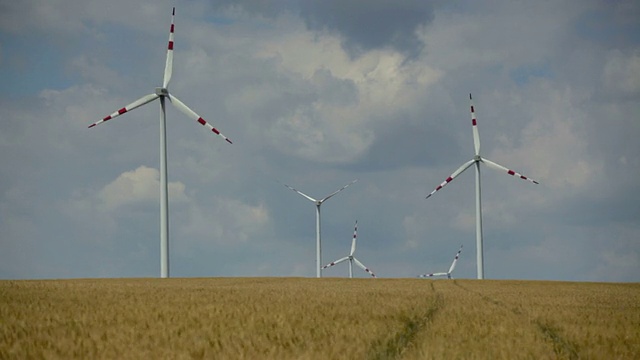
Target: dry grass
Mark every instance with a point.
(258, 318)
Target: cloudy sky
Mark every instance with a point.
(315, 94)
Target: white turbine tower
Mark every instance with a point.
(351, 258)
(451, 268)
(477, 159)
(162, 93)
(318, 204)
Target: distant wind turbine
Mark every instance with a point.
(162, 93)
(318, 203)
(351, 258)
(451, 268)
(477, 159)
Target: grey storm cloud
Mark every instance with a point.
(363, 25)
(370, 25)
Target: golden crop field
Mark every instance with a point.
(300, 318)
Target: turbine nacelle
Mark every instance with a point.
(162, 91)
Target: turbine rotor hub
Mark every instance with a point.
(477, 158)
(160, 91)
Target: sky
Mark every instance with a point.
(315, 94)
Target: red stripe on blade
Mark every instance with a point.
(474, 122)
(122, 111)
(170, 45)
(171, 27)
(201, 121)
(449, 179)
(215, 130)
(107, 118)
(472, 108)
(511, 172)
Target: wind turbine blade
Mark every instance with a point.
(301, 193)
(363, 267)
(353, 242)
(168, 67)
(508, 171)
(455, 260)
(190, 113)
(336, 262)
(337, 191)
(453, 176)
(432, 274)
(474, 124)
(143, 100)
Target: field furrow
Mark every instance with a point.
(562, 348)
(405, 339)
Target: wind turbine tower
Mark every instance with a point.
(163, 94)
(319, 203)
(476, 160)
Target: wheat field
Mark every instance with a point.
(301, 318)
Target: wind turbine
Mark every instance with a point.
(448, 273)
(318, 203)
(477, 159)
(162, 93)
(351, 258)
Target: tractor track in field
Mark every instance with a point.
(414, 323)
(562, 347)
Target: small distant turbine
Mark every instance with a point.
(477, 159)
(451, 268)
(162, 93)
(318, 203)
(351, 258)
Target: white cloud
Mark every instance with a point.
(552, 147)
(141, 185)
(224, 221)
(351, 95)
(621, 74)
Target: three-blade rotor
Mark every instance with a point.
(320, 201)
(477, 158)
(164, 92)
(451, 268)
(351, 256)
